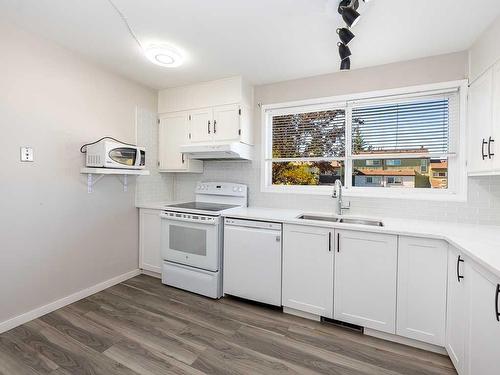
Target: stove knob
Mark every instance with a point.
(240, 189)
(235, 188)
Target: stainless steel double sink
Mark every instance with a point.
(344, 220)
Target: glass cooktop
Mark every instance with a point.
(202, 206)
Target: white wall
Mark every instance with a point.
(486, 50)
(484, 193)
(55, 239)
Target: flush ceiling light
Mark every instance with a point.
(163, 55)
(345, 35)
(345, 64)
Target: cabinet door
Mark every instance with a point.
(308, 269)
(493, 148)
(457, 305)
(484, 327)
(227, 123)
(201, 125)
(172, 134)
(480, 122)
(422, 279)
(149, 240)
(365, 279)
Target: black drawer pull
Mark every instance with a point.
(483, 155)
(490, 141)
(496, 303)
(209, 128)
(329, 241)
(459, 260)
(338, 242)
(215, 128)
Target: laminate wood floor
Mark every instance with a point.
(143, 327)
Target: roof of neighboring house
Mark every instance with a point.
(437, 183)
(386, 172)
(439, 165)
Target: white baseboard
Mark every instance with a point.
(152, 273)
(42, 310)
(405, 341)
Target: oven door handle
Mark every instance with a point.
(188, 220)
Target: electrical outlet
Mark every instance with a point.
(26, 154)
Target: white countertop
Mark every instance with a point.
(479, 242)
(157, 205)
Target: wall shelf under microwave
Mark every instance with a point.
(95, 174)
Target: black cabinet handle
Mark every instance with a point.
(496, 303)
(329, 241)
(182, 158)
(338, 242)
(483, 155)
(209, 128)
(459, 260)
(490, 141)
(215, 129)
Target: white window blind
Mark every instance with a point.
(424, 125)
(319, 134)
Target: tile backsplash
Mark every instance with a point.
(157, 186)
(482, 206)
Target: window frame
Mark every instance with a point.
(457, 185)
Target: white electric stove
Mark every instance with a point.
(191, 239)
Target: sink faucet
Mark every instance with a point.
(337, 193)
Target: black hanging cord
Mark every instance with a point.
(83, 149)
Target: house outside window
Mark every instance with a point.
(369, 145)
(393, 162)
(373, 163)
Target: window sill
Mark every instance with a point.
(387, 193)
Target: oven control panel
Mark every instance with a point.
(221, 188)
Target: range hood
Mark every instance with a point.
(223, 151)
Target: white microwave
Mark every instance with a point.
(111, 154)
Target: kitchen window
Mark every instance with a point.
(377, 144)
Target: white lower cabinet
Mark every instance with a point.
(149, 240)
(484, 323)
(365, 279)
(308, 269)
(421, 298)
(457, 317)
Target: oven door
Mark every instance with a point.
(190, 239)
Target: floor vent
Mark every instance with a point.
(349, 326)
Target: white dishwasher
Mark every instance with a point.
(252, 260)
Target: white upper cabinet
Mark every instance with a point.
(219, 111)
(200, 125)
(457, 309)
(217, 124)
(172, 132)
(308, 269)
(365, 279)
(484, 324)
(421, 308)
(226, 121)
(484, 123)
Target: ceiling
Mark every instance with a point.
(263, 40)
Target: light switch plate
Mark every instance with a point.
(26, 154)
